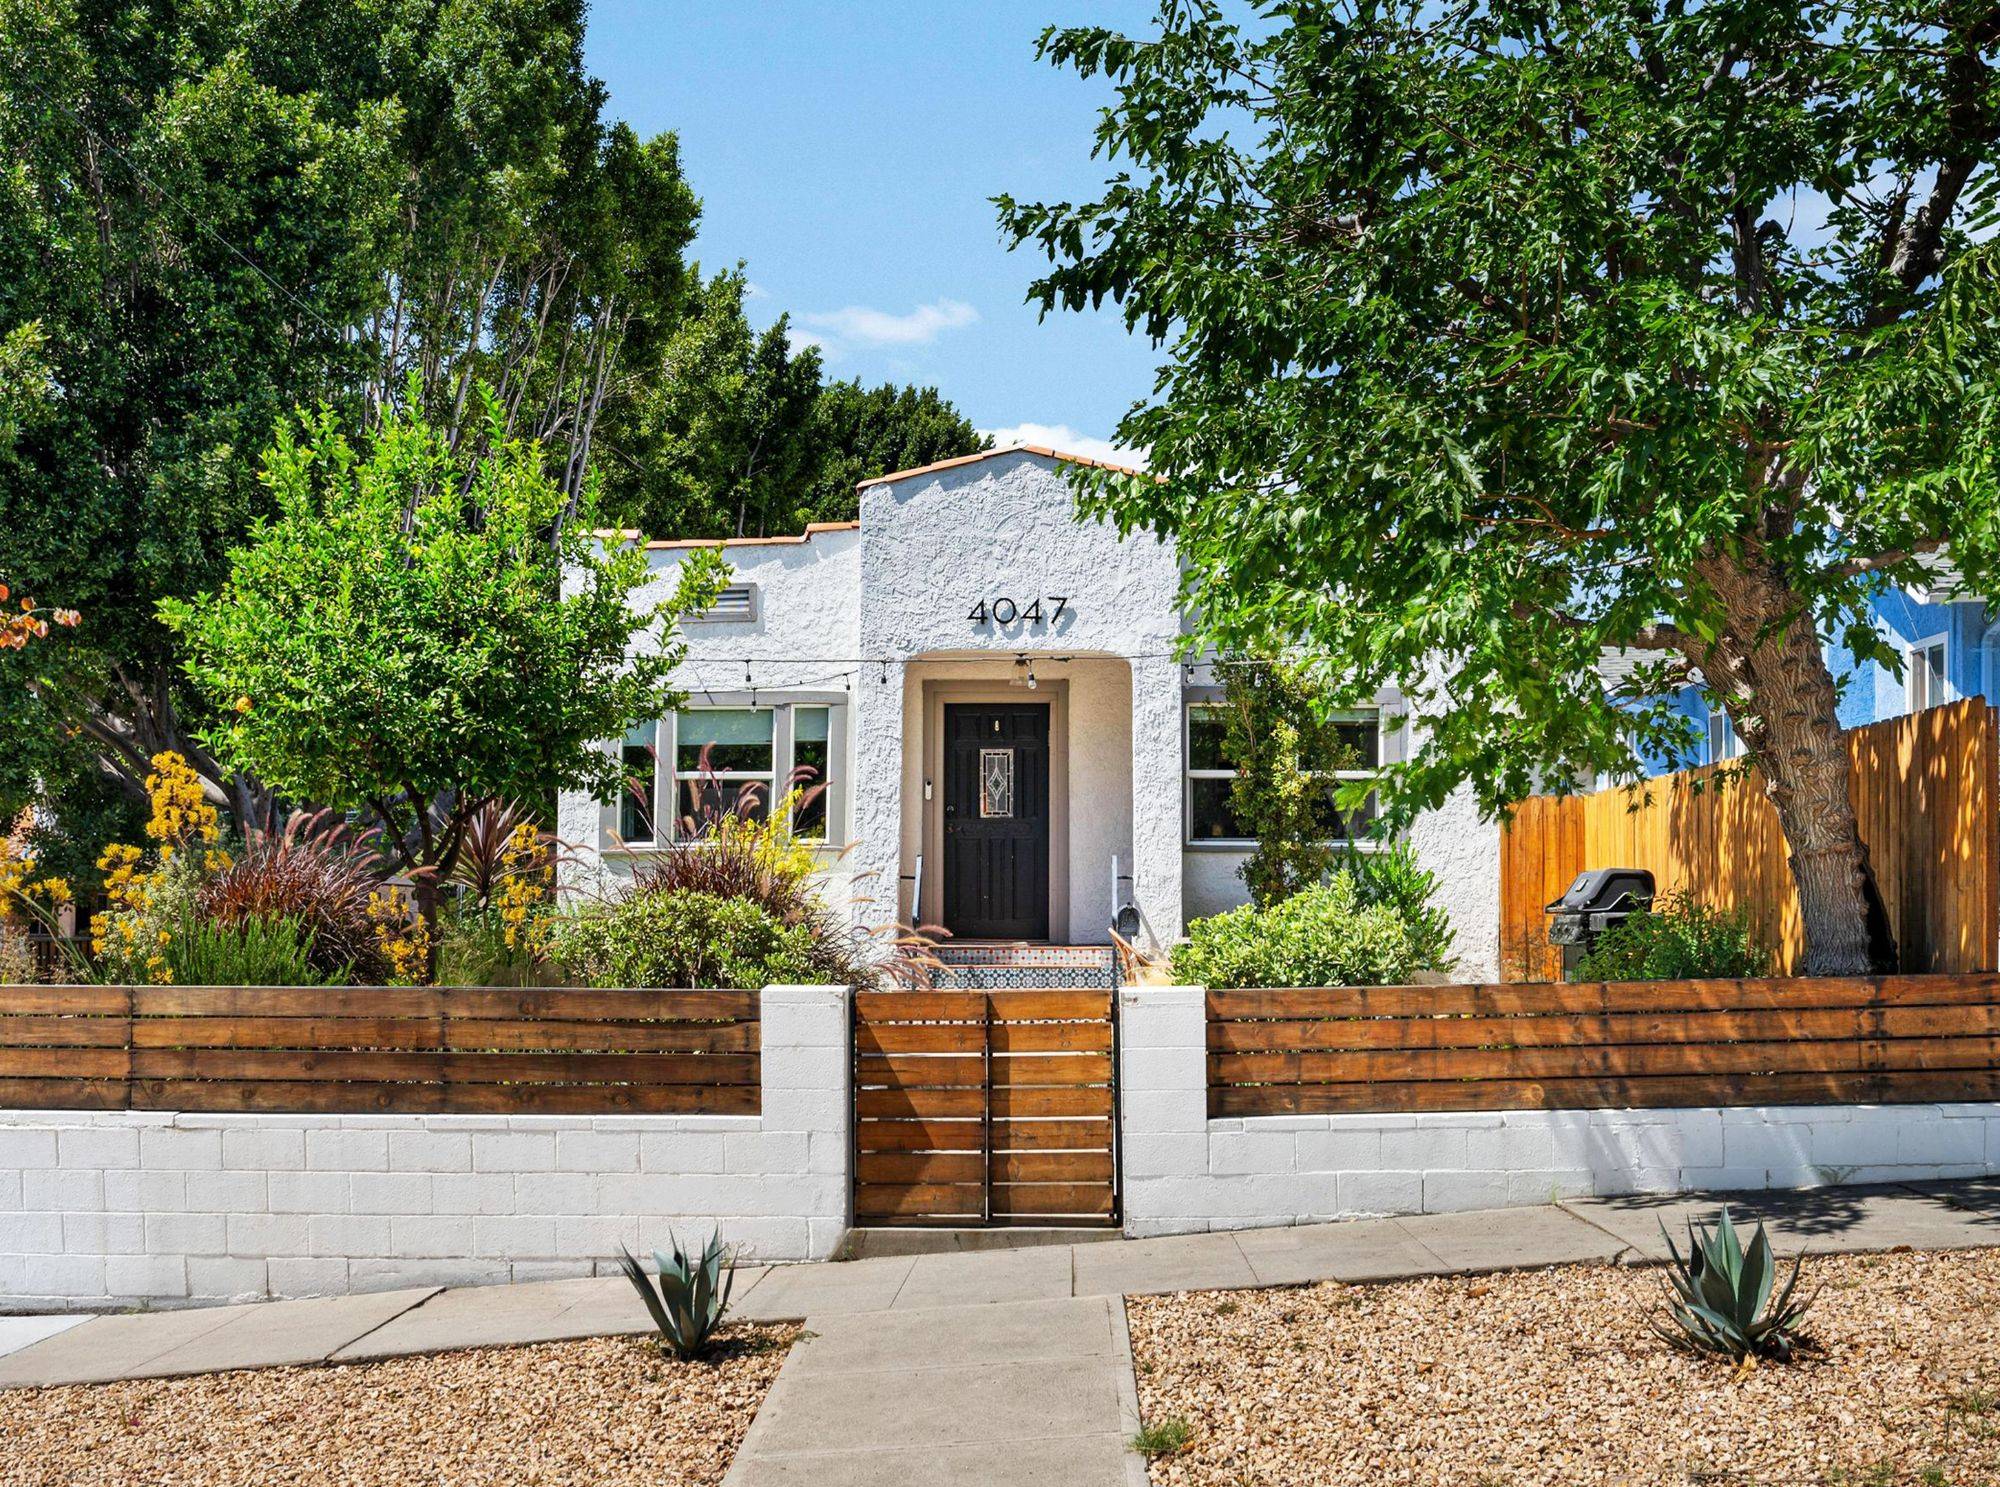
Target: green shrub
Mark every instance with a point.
(1322, 936)
(1679, 939)
(1394, 878)
(684, 939)
(472, 950)
(257, 951)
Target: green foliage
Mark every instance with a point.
(473, 950)
(683, 939)
(256, 951)
(395, 640)
(692, 1295)
(1717, 1295)
(732, 434)
(1678, 939)
(213, 213)
(1282, 740)
(1495, 336)
(1163, 1437)
(1321, 936)
(861, 432)
(1392, 876)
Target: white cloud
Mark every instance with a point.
(1062, 437)
(859, 325)
(798, 340)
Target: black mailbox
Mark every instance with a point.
(1598, 899)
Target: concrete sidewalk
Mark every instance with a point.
(946, 1287)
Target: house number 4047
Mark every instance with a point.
(1005, 611)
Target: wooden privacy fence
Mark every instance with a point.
(1924, 787)
(367, 1049)
(984, 1107)
(1585, 1045)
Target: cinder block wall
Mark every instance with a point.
(1185, 1173)
(121, 1208)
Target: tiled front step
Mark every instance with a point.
(999, 967)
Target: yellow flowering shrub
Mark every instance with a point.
(146, 897)
(401, 932)
(523, 891)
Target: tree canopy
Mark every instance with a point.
(734, 434)
(1495, 336)
(216, 212)
(423, 630)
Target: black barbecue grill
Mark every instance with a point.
(1599, 898)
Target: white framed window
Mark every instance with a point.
(725, 762)
(1212, 821)
(638, 805)
(1925, 671)
(706, 761)
(1723, 744)
(812, 771)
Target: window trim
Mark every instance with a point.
(1740, 749)
(1189, 774)
(667, 777)
(1941, 643)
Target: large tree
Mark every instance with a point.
(405, 638)
(729, 431)
(215, 211)
(1497, 335)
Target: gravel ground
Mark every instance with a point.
(1555, 1378)
(604, 1411)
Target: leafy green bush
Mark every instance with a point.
(257, 951)
(684, 939)
(1679, 939)
(473, 950)
(1322, 936)
(1393, 877)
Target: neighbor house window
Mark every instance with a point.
(636, 810)
(725, 762)
(1722, 740)
(812, 770)
(1924, 673)
(1356, 755)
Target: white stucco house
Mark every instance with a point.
(991, 690)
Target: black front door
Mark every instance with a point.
(996, 820)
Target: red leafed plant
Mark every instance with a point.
(319, 871)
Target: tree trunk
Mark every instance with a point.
(1770, 671)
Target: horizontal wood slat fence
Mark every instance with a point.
(983, 1106)
(1586, 1045)
(1924, 787)
(373, 1049)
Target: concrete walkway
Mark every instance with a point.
(997, 1366)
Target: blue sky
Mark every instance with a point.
(846, 152)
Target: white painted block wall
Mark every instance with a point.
(1185, 1172)
(121, 1208)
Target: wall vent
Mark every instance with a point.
(736, 604)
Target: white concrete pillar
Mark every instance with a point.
(877, 729)
(1163, 1109)
(807, 1065)
(1156, 800)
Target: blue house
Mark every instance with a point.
(1949, 642)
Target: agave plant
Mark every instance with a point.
(1717, 1296)
(691, 1297)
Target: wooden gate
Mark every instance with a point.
(985, 1107)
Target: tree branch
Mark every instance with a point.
(1857, 566)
